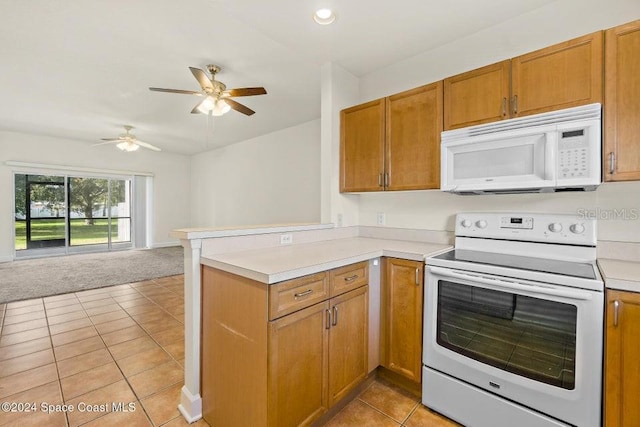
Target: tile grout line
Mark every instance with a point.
(107, 294)
(55, 360)
(139, 399)
(144, 411)
(378, 410)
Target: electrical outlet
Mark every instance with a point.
(381, 218)
(339, 220)
(286, 239)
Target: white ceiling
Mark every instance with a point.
(80, 69)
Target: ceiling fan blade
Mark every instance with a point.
(196, 108)
(239, 107)
(246, 91)
(202, 78)
(185, 92)
(108, 141)
(146, 145)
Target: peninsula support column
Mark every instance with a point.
(191, 402)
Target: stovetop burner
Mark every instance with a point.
(565, 268)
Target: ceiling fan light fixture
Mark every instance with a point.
(220, 108)
(215, 107)
(324, 16)
(127, 146)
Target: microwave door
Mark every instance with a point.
(500, 162)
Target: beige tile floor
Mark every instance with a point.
(125, 344)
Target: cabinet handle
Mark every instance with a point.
(616, 311)
(328, 319)
(335, 316)
(386, 179)
(504, 106)
(418, 276)
(351, 278)
(303, 294)
(612, 162)
(380, 180)
(514, 104)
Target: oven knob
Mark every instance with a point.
(555, 227)
(577, 228)
(466, 223)
(481, 224)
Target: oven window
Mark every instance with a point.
(531, 337)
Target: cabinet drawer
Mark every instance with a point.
(293, 295)
(349, 277)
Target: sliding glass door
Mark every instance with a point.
(70, 214)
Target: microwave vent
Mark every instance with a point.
(585, 112)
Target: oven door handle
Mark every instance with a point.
(511, 286)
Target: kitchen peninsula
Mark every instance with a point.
(257, 258)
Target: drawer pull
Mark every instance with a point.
(616, 312)
(418, 276)
(351, 278)
(328, 319)
(303, 294)
(335, 316)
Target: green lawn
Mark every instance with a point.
(81, 233)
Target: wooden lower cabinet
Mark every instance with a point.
(622, 360)
(298, 367)
(348, 342)
(401, 320)
(262, 370)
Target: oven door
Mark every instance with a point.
(536, 344)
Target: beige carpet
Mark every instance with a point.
(32, 278)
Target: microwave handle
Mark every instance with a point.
(550, 148)
(511, 286)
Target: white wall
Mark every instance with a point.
(170, 181)
(271, 179)
(553, 23)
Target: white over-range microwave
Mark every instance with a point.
(560, 150)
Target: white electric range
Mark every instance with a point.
(513, 325)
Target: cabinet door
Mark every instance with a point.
(561, 76)
(622, 356)
(414, 124)
(622, 105)
(402, 317)
(298, 350)
(348, 342)
(362, 147)
(478, 96)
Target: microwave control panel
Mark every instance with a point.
(573, 154)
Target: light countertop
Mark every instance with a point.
(272, 265)
(621, 275)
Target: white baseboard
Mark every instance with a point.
(165, 244)
(6, 258)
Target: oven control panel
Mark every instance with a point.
(534, 227)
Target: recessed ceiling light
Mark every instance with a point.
(324, 16)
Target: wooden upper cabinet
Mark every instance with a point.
(560, 76)
(414, 124)
(362, 147)
(622, 353)
(478, 96)
(622, 103)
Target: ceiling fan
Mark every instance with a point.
(217, 98)
(128, 141)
